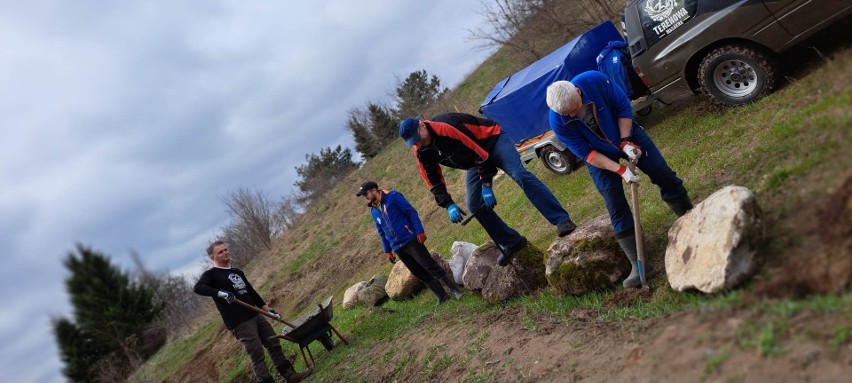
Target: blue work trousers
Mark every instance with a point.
(652, 163)
(505, 157)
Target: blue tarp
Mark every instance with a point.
(517, 102)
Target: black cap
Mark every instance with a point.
(365, 187)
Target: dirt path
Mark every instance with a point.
(720, 345)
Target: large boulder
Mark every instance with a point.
(712, 247)
(402, 284)
(525, 275)
(350, 296)
(479, 265)
(373, 294)
(461, 252)
(587, 259)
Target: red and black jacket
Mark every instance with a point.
(459, 141)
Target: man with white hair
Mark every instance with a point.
(594, 120)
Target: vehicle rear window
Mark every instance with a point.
(661, 17)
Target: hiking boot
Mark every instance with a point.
(506, 256)
(296, 377)
(565, 228)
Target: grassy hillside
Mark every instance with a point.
(791, 148)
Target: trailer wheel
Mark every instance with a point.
(557, 161)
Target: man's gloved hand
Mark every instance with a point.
(488, 198)
(275, 314)
(226, 295)
(632, 150)
(627, 175)
(421, 238)
(456, 214)
(391, 258)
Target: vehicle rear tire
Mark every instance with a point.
(557, 161)
(737, 74)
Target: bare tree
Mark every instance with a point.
(256, 214)
(288, 212)
(505, 19)
(533, 28)
(174, 292)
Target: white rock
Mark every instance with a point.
(712, 247)
(350, 296)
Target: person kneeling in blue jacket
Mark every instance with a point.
(594, 120)
(400, 230)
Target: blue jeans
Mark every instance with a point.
(505, 157)
(652, 163)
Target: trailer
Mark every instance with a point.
(518, 103)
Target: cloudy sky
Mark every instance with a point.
(126, 122)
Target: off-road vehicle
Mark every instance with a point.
(723, 48)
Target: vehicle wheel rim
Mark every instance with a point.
(735, 78)
(555, 161)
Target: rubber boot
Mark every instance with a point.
(452, 286)
(435, 286)
(627, 241)
(290, 375)
(680, 205)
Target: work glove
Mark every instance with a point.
(627, 175)
(488, 197)
(226, 295)
(421, 238)
(275, 314)
(391, 258)
(632, 150)
(456, 214)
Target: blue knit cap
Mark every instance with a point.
(408, 131)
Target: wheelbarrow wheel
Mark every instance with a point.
(327, 342)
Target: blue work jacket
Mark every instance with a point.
(396, 220)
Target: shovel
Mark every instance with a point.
(261, 312)
(637, 224)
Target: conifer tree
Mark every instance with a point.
(107, 307)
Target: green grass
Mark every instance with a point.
(790, 148)
(714, 364)
(841, 336)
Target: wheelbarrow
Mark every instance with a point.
(314, 325)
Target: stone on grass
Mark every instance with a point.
(461, 252)
(525, 275)
(350, 296)
(373, 294)
(587, 259)
(712, 247)
(402, 284)
(479, 265)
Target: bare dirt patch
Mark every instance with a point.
(628, 296)
(821, 262)
(700, 345)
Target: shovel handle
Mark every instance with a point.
(261, 312)
(637, 224)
